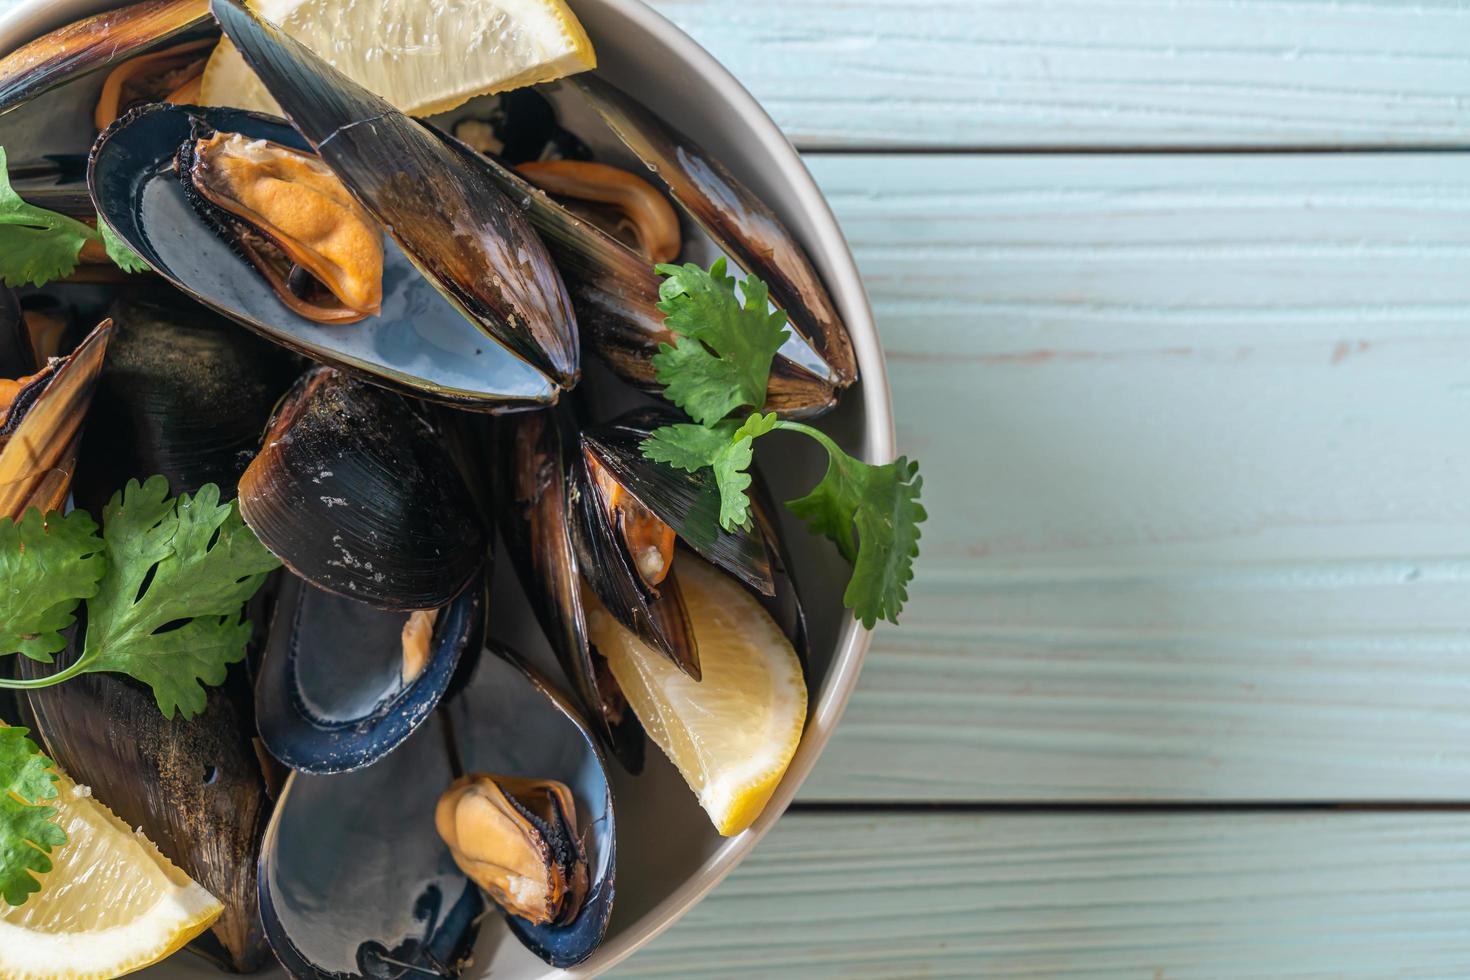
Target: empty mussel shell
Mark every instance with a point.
(421, 343)
(341, 684)
(740, 223)
(446, 214)
(354, 492)
(538, 450)
(93, 43)
(510, 721)
(184, 393)
(354, 882)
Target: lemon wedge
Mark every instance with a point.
(423, 56)
(733, 733)
(111, 903)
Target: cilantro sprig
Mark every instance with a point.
(28, 830)
(720, 362)
(165, 586)
(37, 245)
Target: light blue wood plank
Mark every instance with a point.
(1069, 73)
(1135, 896)
(1192, 433)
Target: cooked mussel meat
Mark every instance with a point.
(354, 492)
(171, 75)
(287, 213)
(517, 839)
(641, 210)
(94, 43)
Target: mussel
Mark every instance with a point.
(102, 41)
(341, 683)
(184, 393)
(354, 492)
(170, 75)
(291, 218)
(356, 881)
(42, 421)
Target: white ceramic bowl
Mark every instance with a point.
(668, 855)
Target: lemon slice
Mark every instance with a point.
(111, 903)
(733, 733)
(423, 56)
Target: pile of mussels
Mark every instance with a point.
(375, 421)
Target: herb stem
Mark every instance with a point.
(76, 669)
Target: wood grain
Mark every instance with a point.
(1138, 896)
(1082, 73)
(1192, 430)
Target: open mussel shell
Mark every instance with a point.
(740, 223)
(448, 216)
(194, 786)
(614, 291)
(41, 430)
(184, 393)
(510, 721)
(420, 344)
(336, 689)
(102, 41)
(538, 451)
(354, 880)
(354, 492)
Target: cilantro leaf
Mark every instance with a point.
(186, 627)
(36, 245)
(28, 832)
(880, 504)
(728, 447)
(118, 251)
(722, 357)
(50, 565)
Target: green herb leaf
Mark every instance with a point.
(118, 251)
(47, 567)
(722, 357)
(28, 832)
(727, 447)
(36, 245)
(872, 513)
(185, 628)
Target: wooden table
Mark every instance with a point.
(1176, 299)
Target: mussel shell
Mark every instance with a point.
(509, 720)
(93, 43)
(353, 878)
(420, 344)
(614, 291)
(43, 428)
(687, 502)
(17, 357)
(537, 450)
(329, 696)
(464, 234)
(194, 786)
(738, 221)
(184, 393)
(353, 491)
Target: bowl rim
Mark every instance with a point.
(28, 19)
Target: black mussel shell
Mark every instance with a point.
(520, 126)
(421, 343)
(784, 604)
(354, 492)
(462, 232)
(687, 502)
(739, 222)
(538, 451)
(354, 881)
(94, 43)
(17, 356)
(614, 291)
(184, 393)
(194, 786)
(330, 694)
(511, 721)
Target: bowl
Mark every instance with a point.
(669, 856)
